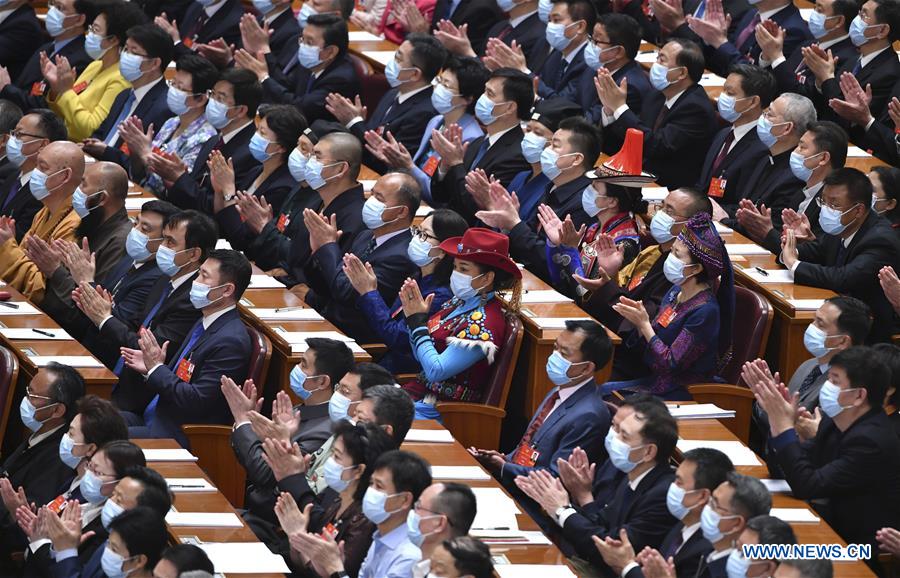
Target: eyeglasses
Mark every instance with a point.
(171, 84)
(832, 206)
(30, 393)
(20, 133)
(219, 96)
(423, 234)
(92, 467)
(714, 504)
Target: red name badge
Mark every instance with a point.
(79, 88)
(431, 164)
(330, 530)
(124, 148)
(185, 370)
(666, 316)
(57, 505)
(526, 456)
(189, 42)
(635, 281)
(37, 89)
(717, 188)
(433, 324)
(283, 221)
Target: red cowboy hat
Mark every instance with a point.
(624, 167)
(482, 246)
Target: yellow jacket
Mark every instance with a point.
(638, 269)
(85, 111)
(17, 269)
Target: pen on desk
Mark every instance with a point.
(10, 305)
(42, 332)
(762, 271)
(280, 309)
(186, 486)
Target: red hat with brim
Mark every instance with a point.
(624, 167)
(482, 246)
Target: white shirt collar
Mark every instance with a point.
(422, 568)
(670, 102)
(181, 279)
(829, 43)
(849, 239)
(633, 484)
(519, 19)
(809, 193)
(566, 393)
(35, 439)
(864, 60)
(381, 239)
(141, 92)
(688, 531)
(23, 180)
(713, 556)
(228, 136)
(209, 319)
(575, 52)
(824, 367)
(763, 16)
(211, 10)
(742, 131)
(492, 139)
(271, 17)
(403, 97)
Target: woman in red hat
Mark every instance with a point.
(457, 345)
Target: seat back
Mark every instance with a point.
(373, 85)
(9, 375)
(734, 397)
(752, 323)
(260, 356)
(212, 446)
(505, 364)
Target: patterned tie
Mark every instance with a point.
(123, 114)
(857, 67)
(146, 323)
(505, 32)
(722, 153)
(367, 252)
(811, 377)
(150, 412)
(746, 33)
(538, 421)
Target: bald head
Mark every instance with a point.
(63, 163)
(344, 147)
(400, 190)
(111, 178)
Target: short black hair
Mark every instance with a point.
(846, 8)
(371, 374)
(756, 81)
(201, 231)
(334, 30)
(233, 268)
(10, 115)
(831, 138)
(700, 202)
(817, 568)
(691, 57)
(345, 6)
(364, 443)
(750, 498)
(622, 30)
(859, 187)
(67, 387)
(771, 530)
(392, 406)
(164, 209)
(428, 54)
(123, 455)
(585, 138)
(188, 558)
(409, 472)
(855, 318)
(155, 41)
(629, 198)
(143, 531)
(597, 346)
(659, 428)
(120, 18)
(581, 10)
(713, 467)
(517, 88)
(101, 422)
(890, 354)
(52, 126)
(155, 492)
(888, 12)
(471, 556)
(333, 357)
(245, 87)
(866, 369)
(204, 74)
(890, 180)
(471, 75)
(446, 223)
(458, 503)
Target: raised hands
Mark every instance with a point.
(139, 141)
(43, 254)
(322, 230)
(92, 303)
(284, 458)
(504, 209)
(890, 284)
(448, 143)
(388, 150)
(241, 400)
(712, 28)
(577, 475)
(255, 211)
(455, 39)
(254, 38)
(855, 105)
(412, 300)
(361, 275)
(343, 109)
(770, 37)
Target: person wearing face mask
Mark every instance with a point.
(21, 35)
(567, 33)
(202, 24)
(323, 68)
(479, 18)
(434, 272)
(148, 51)
(458, 86)
(854, 246)
(678, 121)
(84, 102)
(338, 509)
(855, 444)
(65, 23)
(137, 539)
(387, 214)
(886, 193)
(443, 512)
(31, 134)
(183, 559)
(461, 557)
(760, 530)
(10, 115)
(186, 386)
(696, 312)
(523, 25)
(457, 345)
(182, 134)
(700, 472)
(55, 178)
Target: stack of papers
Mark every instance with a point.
(363, 36)
(533, 571)
(777, 486)
(646, 56)
(853, 151)
(699, 411)
(368, 184)
(496, 512)
(204, 519)
(265, 282)
(380, 56)
(21, 308)
(521, 537)
(738, 453)
(440, 436)
(555, 322)
(459, 473)
(544, 296)
(770, 276)
(135, 203)
(189, 485)
(722, 229)
(794, 515)
(297, 339)
(745, 249)
(288, 314)
(166, 455)
(806, 304)
(244, 558)
(35, 334)
(73, 360)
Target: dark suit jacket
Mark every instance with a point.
(38, 469)
(307, 93)
(174, 9)
(503, 160)
(41, 563)
(23, 207)
(275, 189)
(73, 567)
(715, 569)
(644, 516)
(854, 471)
(479, 15)
(882, 140)
(771, 183)
(193, 189)
(736, 167)
(688, 556)
(881, 74)
(772, 242)
(283, 41)
(793, 76)
(559, 78)
(223, 349)
(653, 32)
(873, 246)
(152, 109)
(21, 34)
(223, 24)
(675, 152)
(529, 34)
(638, 87)
(19, 91)
(405, 121)
(392, 266)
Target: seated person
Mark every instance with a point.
(84, 102)
(184, 133)
(854, 459)
(187, 386)
(462, 556)
(886, 193)
(890, 354)
(443, 512)
(762, 530)
(205, 28)
(10, 115)
(182, 558)
(457, 345)
(691, 331)
(58, 173)
(278, 17)
(567, 33)
(137, 539)
(435, 268)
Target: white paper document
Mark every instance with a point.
(265, 282)
(288, 314)
(722, 229)
(544, 296)
(204, 519)
(459, 473)
(379, 56)
(806, 304)
(856, 152)
(699, 411)
(745, 249)
(188, 485)
(534, 571)
(710, 79)
(495, 500)
(244, 558)
(646, 56)
(511, 537)
(777, 486)
(363, 36)
(738, 453)
(73, 360)
(495, 521)
(654, 194)
(135, 203)
(770, 276)
(555, 322)
(794, 515)
(297, 339)
(21, 308)
(169, 455)
(440, 436)
(32, 334)
(368, 184)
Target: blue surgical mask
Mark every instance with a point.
(93, 46)
(858, 31)
(558, 368)
(607, 441)
(418, 252)
(414, 527)
(798, 166)
(165, 259)
(661, 227)
(55, 22)
(263, 6)
(817, 24)
(725, 105)
(112, 563)
(461, 285)
(814, 341)
(373, 505)
(544, 9)
(532, 146)
(673, 269)
(333, 473)
(620, 454)
(829, 399)
(258, 146)
(830, 220)
(373, 211)
(305, 12)
(556, 36)
(217, 114)
(659, 76)
(549, 158)
(392, 72)
(130, 66)
(136, 245)
(109, 512)
(737, 565)
(14, 151)
(506, 5)
(675, 501)
(764, 131)
(79, 202)
(177, 101)
(593, 56)
(66, 445)
(297, 165)
(339, 407)
(589, 198)
(308, 56)
(298, 383)
(27, 411)
(484, 110)
(313, 173)
(709, 524)
(199, 294)
(442, 99)
(38, 183)
(92, 487)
